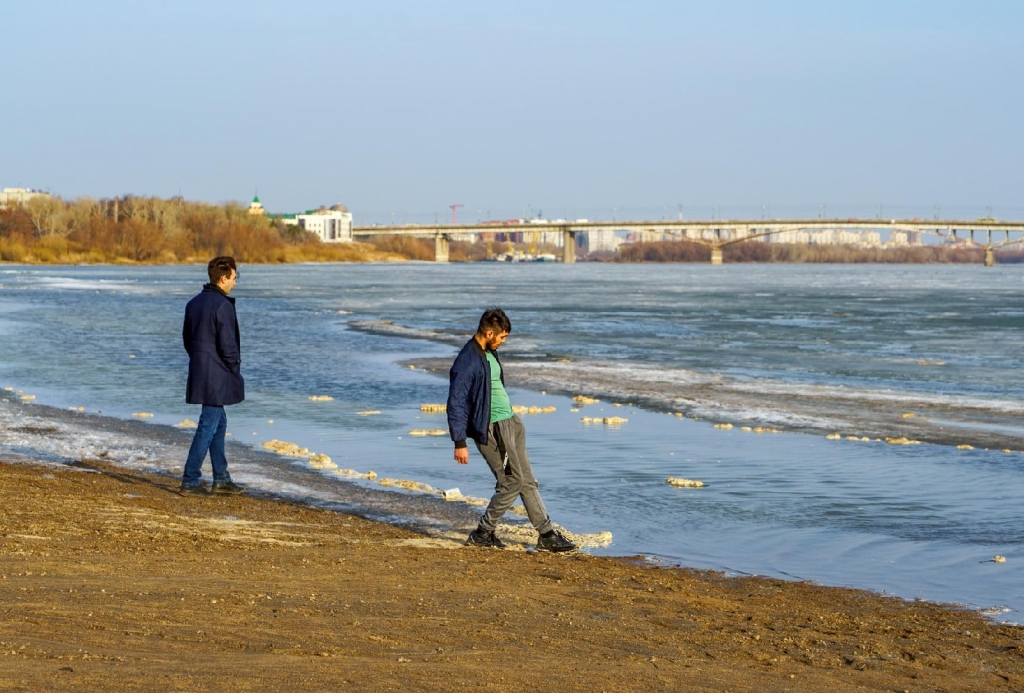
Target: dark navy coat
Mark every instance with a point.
(214, 347)
(469, 395)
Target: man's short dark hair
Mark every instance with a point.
(220, 267)
(494, 319)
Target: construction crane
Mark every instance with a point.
(454, 209)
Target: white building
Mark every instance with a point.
(256, 208)
(18, 196)
(599, 240)
(332, 225)
(797, 236)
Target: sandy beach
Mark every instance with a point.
(112, 581)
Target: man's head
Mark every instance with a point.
(493, 328)
(223, 272)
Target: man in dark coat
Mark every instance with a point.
(211, 338)
(479, 408)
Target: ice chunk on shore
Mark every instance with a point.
(428, 432)
(320, 398)
(607, 420)
(434, 408)
(520, 409)
(353, 474)
(287, 449)
(525, 535)
(408, 485)
(368, 412)
(187, 423)
(581, 400)
(142, 415)
(679, 482)
(321, 462)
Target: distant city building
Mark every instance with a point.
(332, 225)
(19, 196)
(256, 207)
(601, 240)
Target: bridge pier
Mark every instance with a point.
(716, 256)
(440, 248)
(568, 246)
(990, 257)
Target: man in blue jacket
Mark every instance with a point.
(479, 408)
(211, 338)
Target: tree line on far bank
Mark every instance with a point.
(130, 229)
(751, 251)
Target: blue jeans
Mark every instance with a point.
(213, 422)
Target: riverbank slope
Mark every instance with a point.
(110, 580)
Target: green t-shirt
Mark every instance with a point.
(501, 407)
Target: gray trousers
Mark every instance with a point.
(505, 454)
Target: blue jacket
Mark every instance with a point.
(469, 395)
(214, 347)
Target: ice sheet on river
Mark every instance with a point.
(808, 408)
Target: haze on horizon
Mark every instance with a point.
(571, 109)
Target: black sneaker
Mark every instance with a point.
(227, 488)
(554, 542)
(196, 490)
(480, 537)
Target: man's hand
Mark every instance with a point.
(462, 455)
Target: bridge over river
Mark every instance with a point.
(983, 233)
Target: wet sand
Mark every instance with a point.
(109, 580)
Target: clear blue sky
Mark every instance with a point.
(580, 109)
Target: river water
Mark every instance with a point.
(923, 353)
